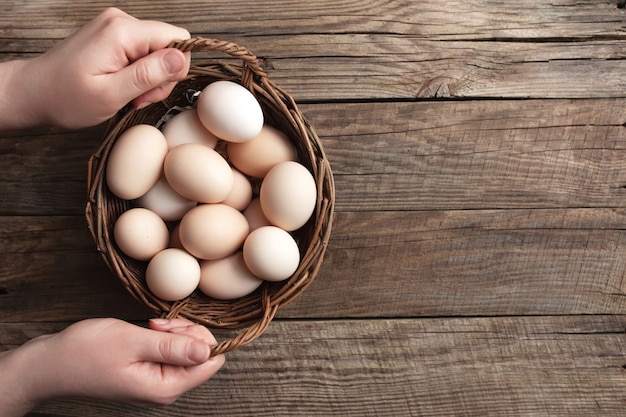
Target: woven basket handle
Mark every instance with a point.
(250, 334)
(200, 44)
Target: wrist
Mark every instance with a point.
(20, 101)
(26, 378)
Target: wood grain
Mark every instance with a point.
(507, 366)
(396, 156)
(379, 264)
(402, 49)
(477, 262)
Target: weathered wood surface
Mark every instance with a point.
(477, 262)
(508, 366)
(384, 49)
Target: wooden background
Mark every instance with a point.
(477, 262)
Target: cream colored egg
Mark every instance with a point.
(136, 161)
(254, 215)
(186, 127)
(241, 195)
(172, 274)
(288, 195)
(230, 111)
(198, 173)
(271, 253)
(213, 231)
(140, 233)
(257, 156)
(227, 278)
(164, 201)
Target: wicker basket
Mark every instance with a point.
(249, 315)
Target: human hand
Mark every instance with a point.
(112, 360)
(85, 79)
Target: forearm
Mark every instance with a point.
(19, 389)
(19, 106)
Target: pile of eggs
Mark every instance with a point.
(196, 217)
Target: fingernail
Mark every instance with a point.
(160, 321)
(179, 329)
(198, 352)
(173, 62)
(143, 105)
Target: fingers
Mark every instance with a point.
(188, 377)
(151, 78)
(140, 37)
(144, 70)
(174, 349)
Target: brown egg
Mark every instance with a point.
(288, 195)
(136, 161)
(213, 231)
(255, 215)
(241, 195)
(227, 278)
(258, 156)
(198, 173)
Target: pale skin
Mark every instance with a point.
(113, 60)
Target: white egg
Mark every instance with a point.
(186, 127)
(164, 201)
(230, 111)
(271, 253)
(172, 274)
(140, 233)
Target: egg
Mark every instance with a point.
(186, 127)
(164, 201)
(254, 215)
(241, 195)
(227, 278)
(257, 156)
(172, 274)
(198, 173)
(288, 195)
(135, 161)
(140, 233)
(271, 253)
(230, 111)
(213, 231)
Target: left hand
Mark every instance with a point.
(111, 61)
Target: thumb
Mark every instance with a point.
(152, 72)
(176, 349)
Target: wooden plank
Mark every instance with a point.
(475, 154)
(379, 264)
(506, 366)
(460, 20)
(395, 156)
(400, 49)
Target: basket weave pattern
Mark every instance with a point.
(255, 311)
